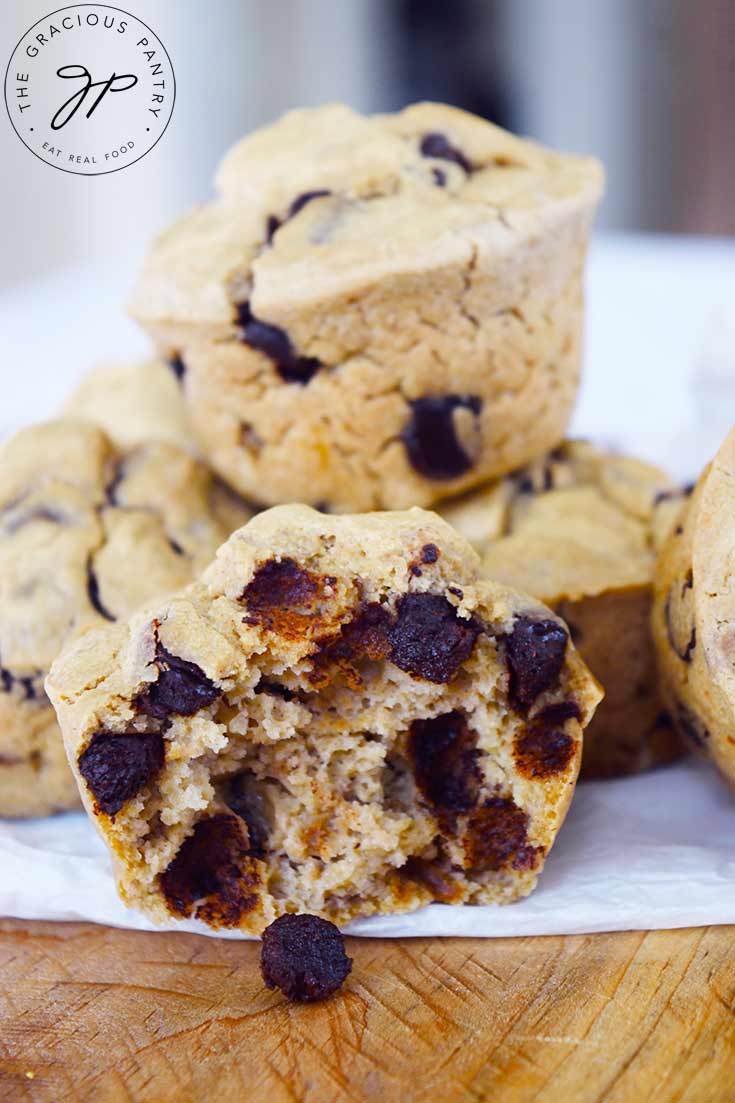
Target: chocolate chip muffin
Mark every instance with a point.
(87, 533)
(576, 529)
(694, 614)
(135, 403)
(376, 312)
(340, 718)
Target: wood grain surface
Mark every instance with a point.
(90, 1013)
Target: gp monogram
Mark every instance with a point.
(90, 89)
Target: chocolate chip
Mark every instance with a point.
(541, 751)
(535, 652)
(272, 341)
(428, 639)
(430, 436)
(114, 484)
(496, 838)
(274, 689)
(93, 593)
(30, 686)
(40, 513)
(181, 689)
(440, 177)
(438, 145)
(433, 878)
(178, 367)
(214, 875)
(365, 637)
(283, 597)
(248, 800)
(274, 224)
(558, 712)
(429, 553)
(275, 343)
(675, 492)
(305, 957)
(117, 767)
(682, 652)
(300, 201)
(691, 727)
(443, 752)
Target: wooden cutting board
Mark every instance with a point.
(90, 1013)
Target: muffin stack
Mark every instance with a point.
(348, 712)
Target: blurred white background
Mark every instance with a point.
(648, 85)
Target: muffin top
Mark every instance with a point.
(577, 523)
(325, 200)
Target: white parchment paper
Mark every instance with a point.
(656, 851)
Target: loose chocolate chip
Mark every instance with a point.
(283, 597)
(535, 651)
(429, 553)
(178, 367)
(248, 801)
(438, 145)
(117, 767)
(214, 875)
(430, 437)
(305, 957)
(428, 639)
(496, 838)
(93, 593)
(443, 752)
(181, 689)
(540, 751)
(275, 343)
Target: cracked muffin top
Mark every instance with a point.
(134, 403)
(88, 532)
(577, 523)
(376, 313)
(375, 195)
